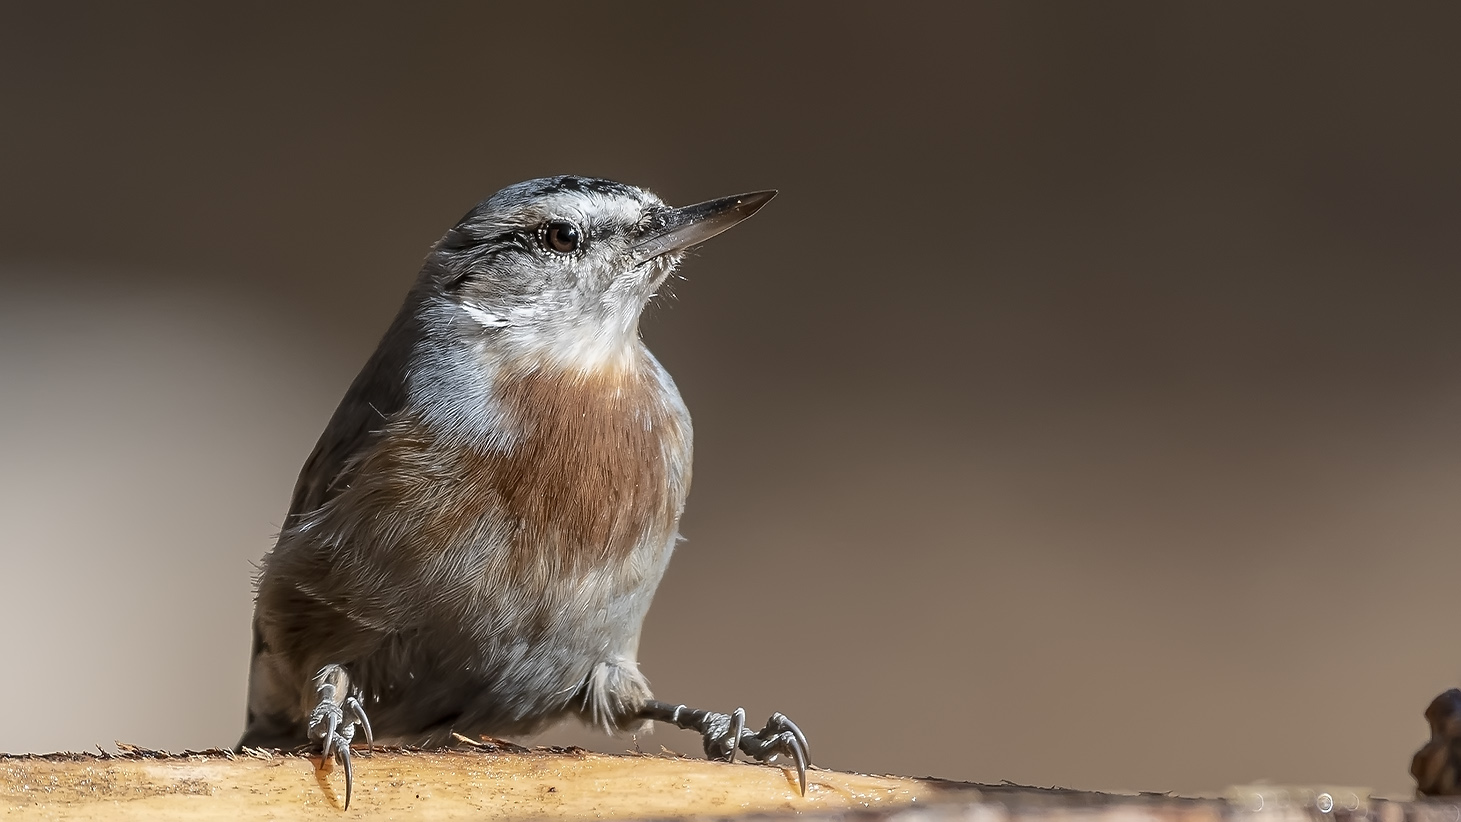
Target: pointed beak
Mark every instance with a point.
(677, 229)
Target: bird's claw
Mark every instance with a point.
(332, 723)
(721, 734)
(724, 734)
(780, 737)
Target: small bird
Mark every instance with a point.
(1437, 765)
(474, 542)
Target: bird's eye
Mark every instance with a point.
(561, 236)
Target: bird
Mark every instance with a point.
(473, 544)
(1437, 765)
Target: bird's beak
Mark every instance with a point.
(677, 229)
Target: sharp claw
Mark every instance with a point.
(344, 753)
(780, 737)
(799, 753)
(738, 726)
(332, 723)
(359, 711)
(801, 738)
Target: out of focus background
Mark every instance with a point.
(1085, 411)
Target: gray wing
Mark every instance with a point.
(375, 397)
(275, 716)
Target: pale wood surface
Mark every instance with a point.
(483, 783)
(507, 782)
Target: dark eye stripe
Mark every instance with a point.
(461, 240)
(477, 250)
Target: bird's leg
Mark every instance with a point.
(724, 733)
(332, 722)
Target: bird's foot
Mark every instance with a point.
(725, 733)
(332, 722)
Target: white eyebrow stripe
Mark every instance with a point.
(485, 317)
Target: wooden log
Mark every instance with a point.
(485, 782)
(492, 781)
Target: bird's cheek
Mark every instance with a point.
(657, 270)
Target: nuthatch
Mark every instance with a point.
(1437, 765)
(473, 544)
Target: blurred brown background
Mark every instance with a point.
(1084, 412)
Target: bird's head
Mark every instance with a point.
(558, 270)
